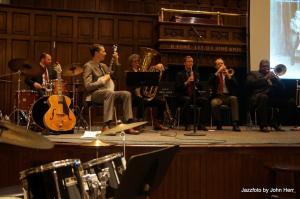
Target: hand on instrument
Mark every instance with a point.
(116, 58)
(106, 77)
(37, 86)
(159, 67)
(221, 69)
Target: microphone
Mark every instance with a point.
(196, 32)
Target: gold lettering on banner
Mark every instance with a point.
(203, 48)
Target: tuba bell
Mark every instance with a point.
(149, 92)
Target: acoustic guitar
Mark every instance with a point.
(59, 117)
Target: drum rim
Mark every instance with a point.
(49, 166)
(26, 90)
(103, 159)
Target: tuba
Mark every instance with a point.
(149, 92)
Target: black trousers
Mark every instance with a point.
(142, 104)
(187, 112)
(263, 104)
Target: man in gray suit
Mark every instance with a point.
(100, 87)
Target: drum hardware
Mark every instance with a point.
(17, 135)
(297, 94)
(59, 179)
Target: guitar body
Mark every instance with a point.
(59, 117)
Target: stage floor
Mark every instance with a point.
(226, 137)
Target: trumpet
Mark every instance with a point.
(228, 72)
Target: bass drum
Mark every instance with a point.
(39, 108)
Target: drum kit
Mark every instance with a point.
(69, 178)
(30, 107)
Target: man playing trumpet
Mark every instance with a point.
(224, 89)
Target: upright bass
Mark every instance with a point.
(59, 117)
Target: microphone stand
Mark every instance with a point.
(194, 105)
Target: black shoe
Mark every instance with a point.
(264, 129)
(277, 128)
(236, 128)
(187, 128)
(219, 127)
(201, 127)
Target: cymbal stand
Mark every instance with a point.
(297, 94)
(18, 97)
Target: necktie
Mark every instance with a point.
(221, 84)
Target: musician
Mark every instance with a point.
(264, 87)
(185, 81)
(138, 99)
(224, 89)
(100, 87)
(39, 82)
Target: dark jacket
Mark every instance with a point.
(31, 80)
(256, 84)
(231, 84)
(180, 87)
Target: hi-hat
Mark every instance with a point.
(96, 143)
(122, 127)
(19, 136)
(72, 71)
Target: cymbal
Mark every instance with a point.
(16, 64)
(26, 67)
(19, 136)
(96, 143)
(72, 71)
(122, 127)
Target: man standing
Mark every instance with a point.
(100, 87)
(224, 87)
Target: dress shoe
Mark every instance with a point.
(277, 128)
(264, 129)
(132, 132)
(236, 128)
(160, 127)
(104, 128)
(219, 127)
(201, 127)
(187, 128)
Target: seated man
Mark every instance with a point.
(264, 87)
(100, 87)
(185, 81)
(223, 86)
(141, 102)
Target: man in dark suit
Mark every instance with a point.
(40, 82)
(264, 87)
(224, 90)
(185, 81)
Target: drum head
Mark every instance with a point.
(39, 108)
(101, 160)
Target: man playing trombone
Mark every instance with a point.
(264, 86)
(224, 89)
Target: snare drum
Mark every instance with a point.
(54, 84)
(108, 169)
(59, 179)
(38, 110)
(27, 98)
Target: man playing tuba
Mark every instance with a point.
(141, 101)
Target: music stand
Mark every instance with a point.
(137, 79)
(144, 173)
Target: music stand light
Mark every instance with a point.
(144, 173)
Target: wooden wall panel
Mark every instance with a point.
(40, 47)
(106, 29)
(43, 25)
(64, 27)
(21, 23)
(125, 30)
(145, 30)
(3, 23)
(83, 53)
(20, 49)
(64, 53)
(85, 28)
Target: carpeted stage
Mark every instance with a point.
(217, 165)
